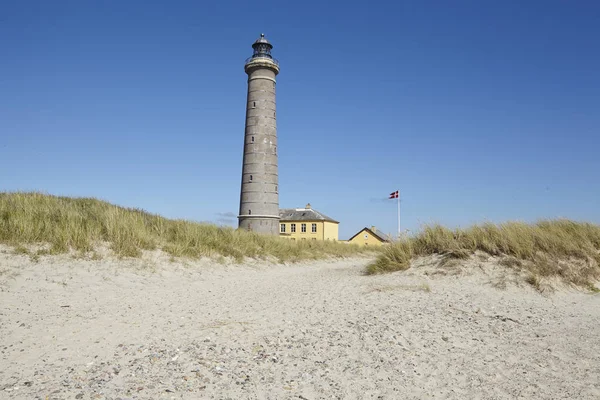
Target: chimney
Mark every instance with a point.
(373, 228)
(307, 206)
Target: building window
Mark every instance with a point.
(293, 228)
(303, 228)
(314, 238)
(314, 228)
(366, 236)
(282, 228)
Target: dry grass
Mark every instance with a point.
(393, 258)
(65, 224)
(548, 249)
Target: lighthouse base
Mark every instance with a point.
(265, 224)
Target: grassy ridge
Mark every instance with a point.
(557, 248)
(81, 223)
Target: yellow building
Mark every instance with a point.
(369, 237)
(306, 224)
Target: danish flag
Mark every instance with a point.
(394, 195)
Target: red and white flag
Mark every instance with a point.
(394, 195)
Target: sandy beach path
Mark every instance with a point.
(72, 329)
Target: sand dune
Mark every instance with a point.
(156, 329)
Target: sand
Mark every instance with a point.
(155, 329)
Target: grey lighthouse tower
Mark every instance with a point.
(259, 197)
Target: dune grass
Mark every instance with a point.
(66, 224)
(555, 248)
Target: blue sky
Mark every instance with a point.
(476, 111)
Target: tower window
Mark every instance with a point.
(250, 177)
(254, 104)
(275, 149)
(314, 228)
(249, 212)
(303, 228)
(275, 189)
(252, 139)
(293, 228)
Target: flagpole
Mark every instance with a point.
(398, 215)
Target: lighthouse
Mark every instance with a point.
(259, 197)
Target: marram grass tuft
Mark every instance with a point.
(561, 248)
(80, 224)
